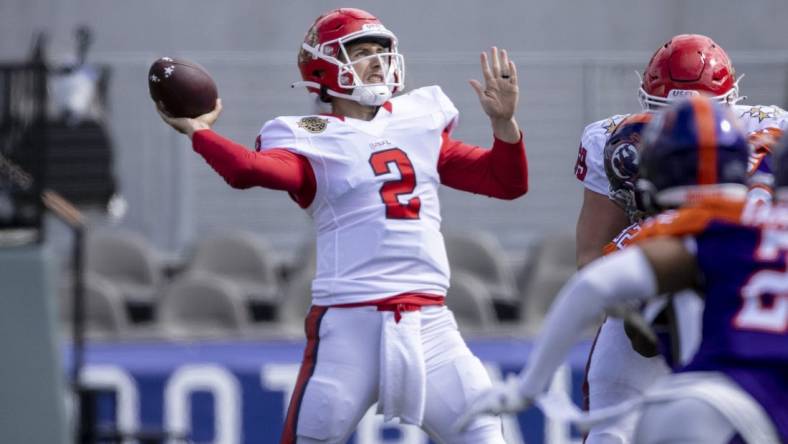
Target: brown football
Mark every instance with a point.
(185, 88)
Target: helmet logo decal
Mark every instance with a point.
(313, 124)
(311, 40)
(681, 93)
(373, 27)
(625, 161)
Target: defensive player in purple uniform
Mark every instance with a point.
(735, 387)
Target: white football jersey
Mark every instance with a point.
(590, 167)
(376, 209)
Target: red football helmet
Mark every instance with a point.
(325, 65)
(688, 64)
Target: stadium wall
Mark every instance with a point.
(576, 62)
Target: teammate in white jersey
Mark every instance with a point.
(687, 64)
(368, 174)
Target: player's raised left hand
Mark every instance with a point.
(502, 397)
(500, 93)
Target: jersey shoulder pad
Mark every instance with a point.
(590, 167)
(276, 133)
(754, 117)
(595, 134)
(430, 99)
(692, 219)
(292, 133)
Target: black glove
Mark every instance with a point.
(640, 342)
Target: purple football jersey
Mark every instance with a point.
(745, 320)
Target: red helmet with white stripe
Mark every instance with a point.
(326, 68)
(688, 64)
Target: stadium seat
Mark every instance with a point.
(480, 254)
(295, 302)
(131, 264)
(105, 314)
(526, 268)
(554, 264)
(202, 305)
(248, 261)
(471, 302)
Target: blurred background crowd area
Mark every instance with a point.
(236, 284)
(172, 251)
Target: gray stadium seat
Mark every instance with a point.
(470, 301)
(525, 269)
(555, 264)
(295, 302)
(242, 257)
(105, 314)
(202, 305)
(480, 254)
(130, 263)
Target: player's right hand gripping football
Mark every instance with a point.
(502, 397)
(187, 125)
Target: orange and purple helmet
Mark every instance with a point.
(695, 147)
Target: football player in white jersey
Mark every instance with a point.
(368, 174)
(686, 65)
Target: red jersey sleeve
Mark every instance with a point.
(500, 172)
(277, 169)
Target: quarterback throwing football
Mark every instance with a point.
(368, 174)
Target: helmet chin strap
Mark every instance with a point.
(375, 95)
(372, 95)
(367, 95)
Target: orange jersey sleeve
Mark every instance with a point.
(623, 239)
(691, 219)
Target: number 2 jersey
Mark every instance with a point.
(741, 256)
(372, 189)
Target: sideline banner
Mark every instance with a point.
(237, 392)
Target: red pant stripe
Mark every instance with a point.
(312, 327)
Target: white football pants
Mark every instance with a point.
(618, 373)
(339, 377)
